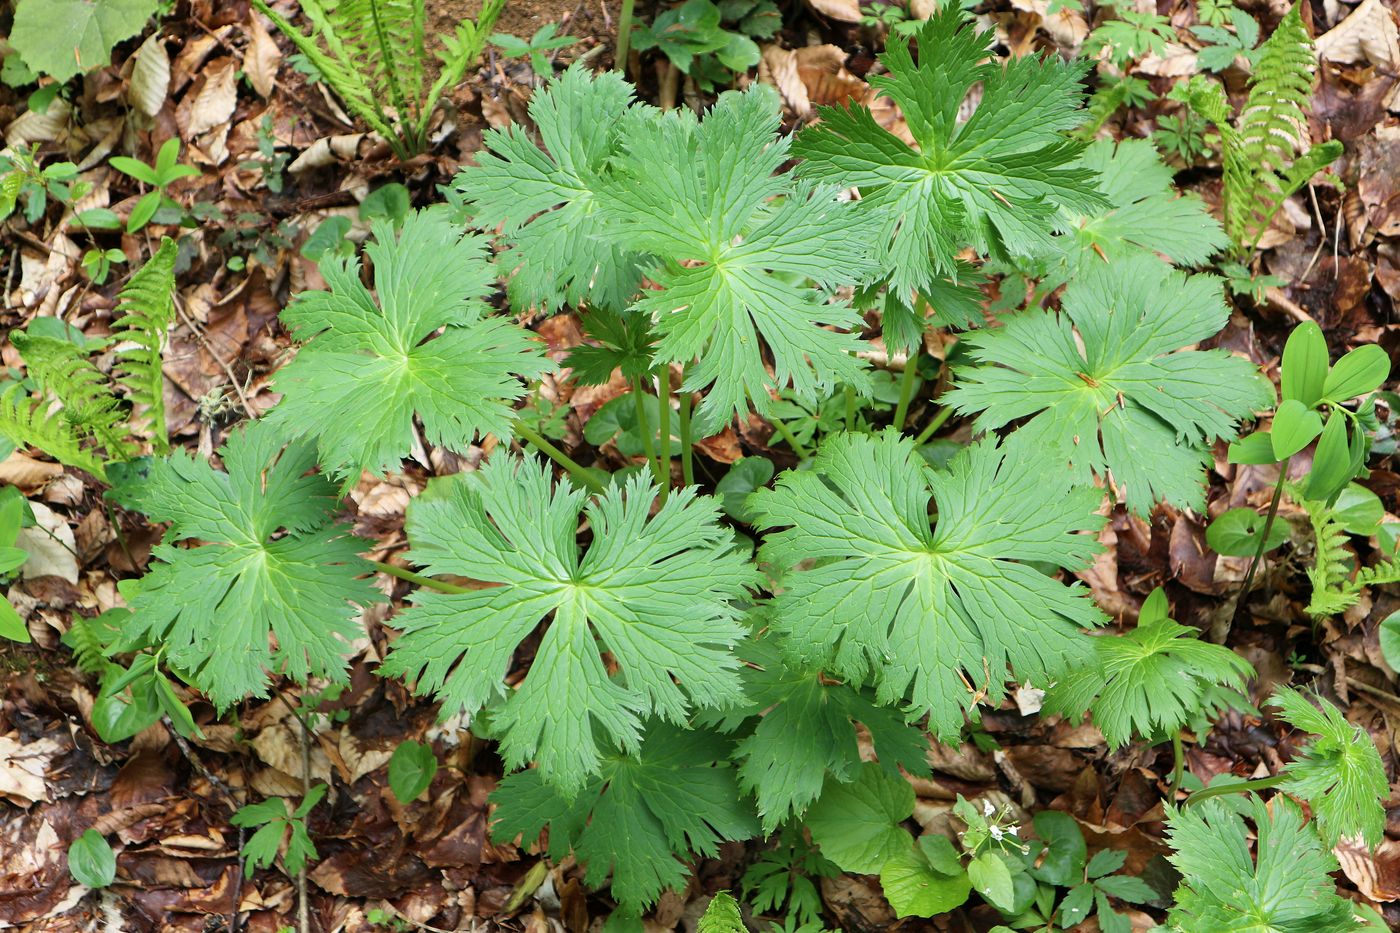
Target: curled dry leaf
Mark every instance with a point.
(150, 77)
(35, 127)
(843, 11)
(23, 766)
(210, 102)
(261, 60)
(1375, 874)
(1369, 34)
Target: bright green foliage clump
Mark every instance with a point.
(731, 236)
(1109, 386)
(722, 915)
(1337, 583)
(1222, 889)
(674, 797)
(1263, 150)
(1339, 772)
(657, 593)
(1149, 681)
(928, 612)
(994, 182)
(278, 831)
(807, 731)
(369, 368)
(272, 563)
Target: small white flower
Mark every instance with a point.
(1011, 830)
(987, 808)
(996, 833)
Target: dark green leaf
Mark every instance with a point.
(411, 770)
(1236, 533)
(91, 860)
(1303, 371)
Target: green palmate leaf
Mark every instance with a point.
(700, 196)
(62, 38)
(1108, 384)
(1144, 212)
(857, 823)
(368, 369)
(1223, 890)
(674, 798)
(545, 201)
(1339, 772)
(868, 590)
(1149, 681)
(624, 343)
(994, 182)
(272, 564)
(808, 731)
(656, 593)
(143, 317)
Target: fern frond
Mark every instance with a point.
(27, 421)
(463, 47)
(143, 317)
(63, 371)
(87, 645)
(383, 40)
(1335, 588)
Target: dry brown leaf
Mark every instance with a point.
(261, 60)
(23, 766)
(843, 11)
(150, 77)
(34, 127)
(51, 546)
(212, 101)
(1376, 875)
(1369, 34)
(27, 473)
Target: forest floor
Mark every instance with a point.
(1336, 250)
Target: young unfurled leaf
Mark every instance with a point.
(857, 823)
(1339, 772)
(722, 915)
(546, 201)
(1108, 384)
(272, 562)
(675, 797)
(368, 369)
(736, 242)
(1148, 681)
(994, 182)
(1144, 212)
(1223, 889)
(656, 593)
(868, 590)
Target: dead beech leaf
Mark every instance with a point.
(213, 100)
(261, 60)
(1369, 34)
(843, 11)
(1178, 62)
(34, 127)
(23, 766)
(150, 77)
(1376, 875)
(51, 546)
(778, 67)
(27, 473)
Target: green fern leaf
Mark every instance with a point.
(1335, 587)
(28, 421)
(722, 915)
(383, 41)
(143, 318)
(63, 371)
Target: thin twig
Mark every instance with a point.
(203, 342)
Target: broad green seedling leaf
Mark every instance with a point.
(867, 589)
(411, 770)
(63, 38)
(91, 860)
(1107, 386)
(1303, 370)
(272, 563)
(369, 368)
(857, 823)
(656, 593)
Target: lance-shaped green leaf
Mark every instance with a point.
(738, 245)
(676, 797)
(272, 563)
(544, 201)
(655, 593)
(1107, 386)
(368, 368)
(869, 590)
(994, 181)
